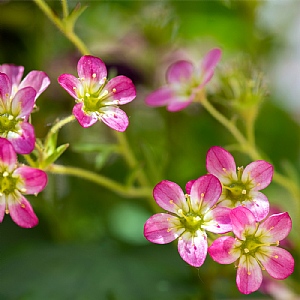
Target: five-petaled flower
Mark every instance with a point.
(17, 100)
(241, 186)
(188, 217)
(14, 182)
(96, 97)
(254, 248)
(184, 81)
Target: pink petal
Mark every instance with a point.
(124, 89)
(209, 64)
(220, 163)
(160, 229)
(7, 154)
(2, 207)
(259, 205)
(5, 88)
(23, 142)
(260, 173)
(179, 103)
(21, 212)
(180, 71)
(23, 102)
(188, 186)
(219, 218)
(169, 196)
(13, 72)
(91, 68)
(205, 192)
(160, 97)
(277, 227)
(84, 119)
(115, 118)
(193, 250)
(222, 250)
(278, 262)
(37, 80)
(70, 83)
(249, 275)
(243, 222)
(34, 180)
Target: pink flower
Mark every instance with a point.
(16, 181)
(184, 81)
(97, 98)
(17, 100)
(241, 186)
(38, 80)
(254, 248)
(188, 217)
(14, 113)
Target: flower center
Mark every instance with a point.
(7, 183)
(191, 221)
(236, 192)
(7, 123)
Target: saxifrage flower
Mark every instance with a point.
(38, 80)
(15, 181)
(188, 217)
(14, 113)
(17, 100)
(255, 248)
(184, 81)
(96, 97)
(241, 186)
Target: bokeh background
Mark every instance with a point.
(89, 243)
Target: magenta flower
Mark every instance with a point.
(241, 186)
(254, 248)
(16, 181)
(188, 217)
(38, 80)
(97, 98)
(17, 100)
(184, 81)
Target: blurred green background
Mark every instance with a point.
(89, 243)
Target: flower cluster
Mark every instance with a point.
(17, 101)
(227, 199)
(97, 99)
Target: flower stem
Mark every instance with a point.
(62, 26)
(57, 126)
(252, 152)
(130, 158)
(65, 8)
(116, 187)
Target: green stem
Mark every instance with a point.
(130, 158)
(65, 8)
(252, 152)
(61, 26)
(112, 185)
(57, 126)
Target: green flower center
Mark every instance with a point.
(237, 192)
(7, 123)
(8, 183)
(93, 94)
(191, 221)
